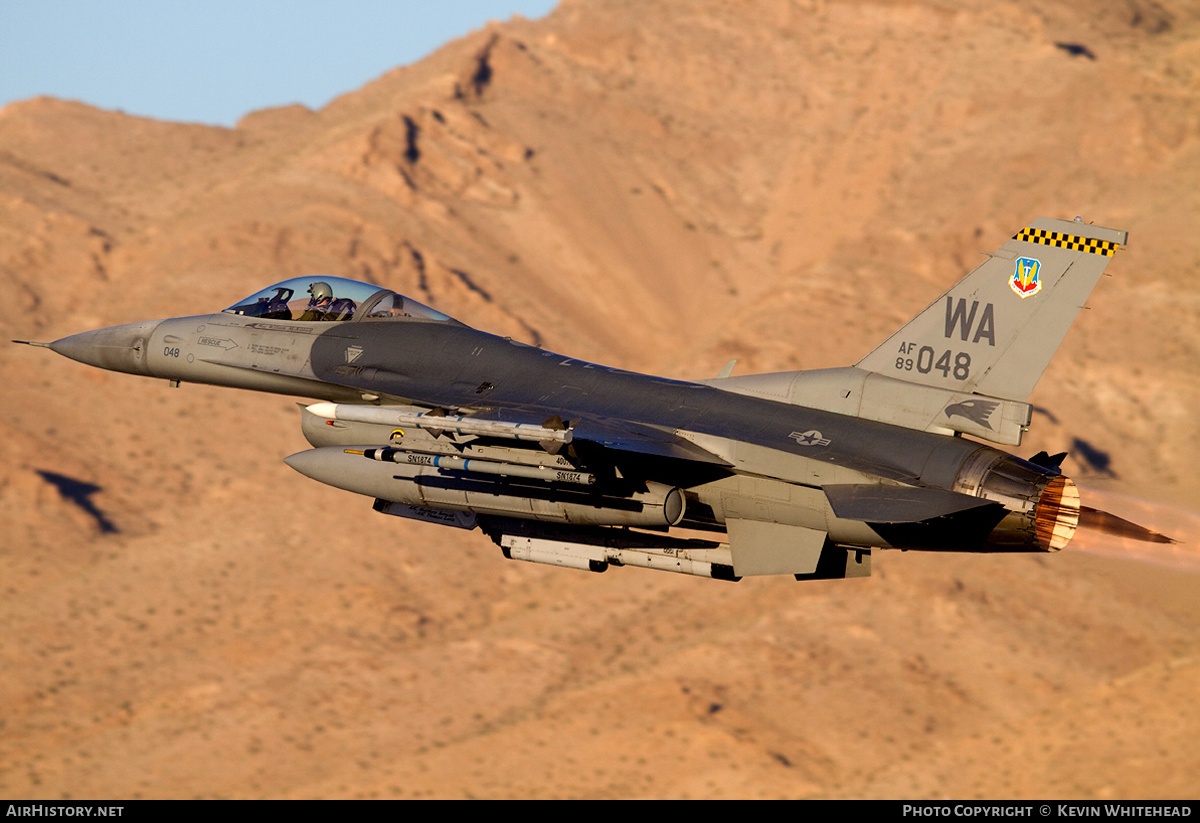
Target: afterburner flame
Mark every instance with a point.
(1057, 514)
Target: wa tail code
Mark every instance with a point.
(957, 316)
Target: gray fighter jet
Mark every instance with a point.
(569, 463)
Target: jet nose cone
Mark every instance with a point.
(119, 348)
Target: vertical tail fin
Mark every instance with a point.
(995, 331)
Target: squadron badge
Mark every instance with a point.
(1026, 281)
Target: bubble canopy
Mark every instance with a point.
(331, 300)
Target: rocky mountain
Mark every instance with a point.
(660, 187)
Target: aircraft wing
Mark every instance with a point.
(625, 436)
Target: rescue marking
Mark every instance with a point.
(353, 353)
(218, 342)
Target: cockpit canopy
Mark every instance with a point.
(331, 300)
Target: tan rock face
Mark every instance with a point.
(659, 187)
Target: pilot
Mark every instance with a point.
(319, 303)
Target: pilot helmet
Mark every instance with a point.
(320, 291)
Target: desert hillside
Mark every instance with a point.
(660, 187)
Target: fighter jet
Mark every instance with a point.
(574, 464)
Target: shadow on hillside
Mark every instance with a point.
(1096, 460)
(80, 493)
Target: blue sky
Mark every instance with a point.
(214, 61)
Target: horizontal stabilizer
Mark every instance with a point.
(873, 503)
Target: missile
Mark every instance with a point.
(384, 416)
(449, 463)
